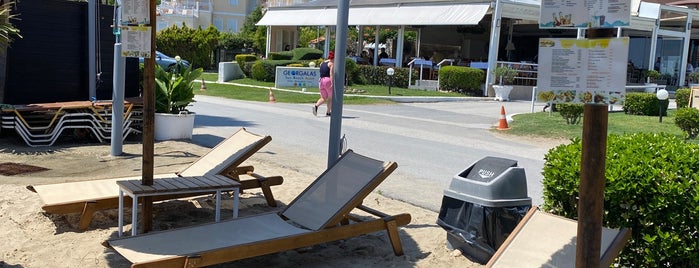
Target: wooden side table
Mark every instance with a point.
(175, 186)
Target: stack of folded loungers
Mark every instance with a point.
(42, 124)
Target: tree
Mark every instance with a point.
(250, 30)
(7, 31)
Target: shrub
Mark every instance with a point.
(352, 72)
(639, 103)
(687, 119)
(651, 187)
(572, 112)
(376, 75)
(281, 55)
(265, 70)
(242, 60)
(682, 97)
(306, 53)
(465, 80)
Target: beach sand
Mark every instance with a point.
(33, 238)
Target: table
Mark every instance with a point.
(176, 186)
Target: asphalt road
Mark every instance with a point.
(431, 142)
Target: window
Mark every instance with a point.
(233, 3)
(218, 23)
(232, 25)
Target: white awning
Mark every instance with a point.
(452, 14)
(299, 17)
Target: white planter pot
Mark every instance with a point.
(502, 93)
(652, 88)
(173, 126)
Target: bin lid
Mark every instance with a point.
(488, 168)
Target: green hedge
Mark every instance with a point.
(281, 55)
(651, 187)
(243, 59)
(643, 104)
(376, 75)
(682, 97)
(265, 70)
(687, 119)
(306, 53)
(465, 80)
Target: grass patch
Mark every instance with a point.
(296, 94)
(542, 125)
(262, 94)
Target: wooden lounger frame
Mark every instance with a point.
(341, 225)
(87, 208)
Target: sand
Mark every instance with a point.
(33, 238)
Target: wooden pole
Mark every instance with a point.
(592, 178)
(148, 123)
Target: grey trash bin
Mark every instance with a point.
(482, 206)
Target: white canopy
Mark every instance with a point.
(450, 14)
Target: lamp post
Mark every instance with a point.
(390, 73)
(662, 96)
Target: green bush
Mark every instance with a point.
(306, 53)
(243, 60)
(687, 119)
(651, 187)
(265, 70)
(465, 80)
(571, 112)
(639, 103)
(682, 97)
(352, 73)
(281, 55)
(376, 75)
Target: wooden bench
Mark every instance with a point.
(175, 186)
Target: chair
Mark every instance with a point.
(547, 240)
(86, 197)
(321, 213)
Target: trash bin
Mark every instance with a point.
(482, 206)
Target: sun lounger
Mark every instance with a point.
(321, 213)
(86, 197)
(546, 240)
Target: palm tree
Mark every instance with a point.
(7, 31)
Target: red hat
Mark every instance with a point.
(331, 55)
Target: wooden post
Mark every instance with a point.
(148, 124)
(592, 178)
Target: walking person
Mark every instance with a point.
(325, 85)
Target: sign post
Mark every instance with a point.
(582, 71)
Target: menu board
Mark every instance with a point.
(135, 12)
(583, 70)
(135, 41)
(584, 14)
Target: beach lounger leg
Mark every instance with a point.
(218, 205)
(86, 216)
(236, 201)
(121, 212)
(392, 229)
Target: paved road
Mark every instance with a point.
(432, 142)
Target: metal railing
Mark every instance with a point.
(526, 72)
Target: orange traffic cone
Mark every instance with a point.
(503, 119)
(271, 96)
(203, 85)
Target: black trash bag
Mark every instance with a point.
(477, 230)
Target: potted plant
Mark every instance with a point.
(174, 91)
(504, 75)
(693, 78)
(651, 76)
